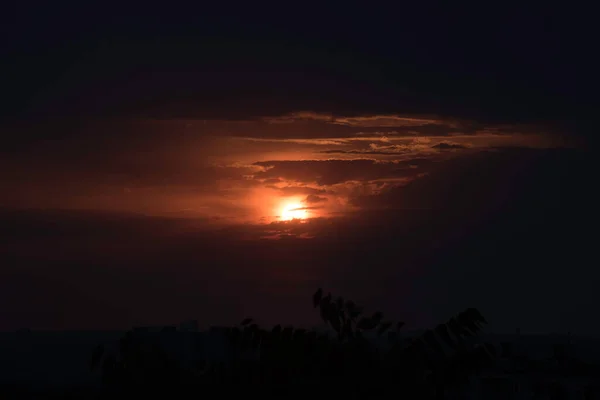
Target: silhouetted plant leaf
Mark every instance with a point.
(246, 321)
(366, 323)
(469, 325)
(334, 310)
(399, 325)
(491, 349)
(384, 326)
(476, 315)
(471, 319)
(378, 316)
(359, 335)
(324, 311)
(354, 313)
(363, 323)
(335, 323)
(326, 299)
(431, 340)
(422, 353)
(317, 297)
(455, 328)
(347, 330)
(342, 314)
(442, 331)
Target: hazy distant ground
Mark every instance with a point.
(40, 359)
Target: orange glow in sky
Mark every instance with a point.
(292, 211)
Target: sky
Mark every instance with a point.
(159, 166)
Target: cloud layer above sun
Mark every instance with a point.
(248, 171)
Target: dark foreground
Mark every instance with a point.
(361, 356)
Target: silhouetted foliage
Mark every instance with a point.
(345, 359)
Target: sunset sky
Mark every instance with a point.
(156, 168)
(252, 171)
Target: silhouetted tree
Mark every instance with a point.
(343, 359)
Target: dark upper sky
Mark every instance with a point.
(233, 158)
(496, 62)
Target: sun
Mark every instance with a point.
(292, 211)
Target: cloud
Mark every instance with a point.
(385, 120)
(419, 161)
(159, 167)
(314, 142)
(393, 121)
(312, 199)
(387, 147)
(374, 150)
(271, 181)
(292, 190)
(298, 116)
(485, 180)
(306, 208)
(330, 172)
(448, 146)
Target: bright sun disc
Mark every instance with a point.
(293, 211)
